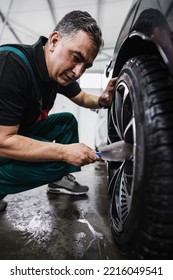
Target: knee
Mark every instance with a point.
(71, 120)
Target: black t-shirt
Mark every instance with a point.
(18, 102)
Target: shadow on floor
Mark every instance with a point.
(37, 225)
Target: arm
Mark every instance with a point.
(19, 147)
(91, 101)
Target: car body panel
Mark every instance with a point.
(145, 33)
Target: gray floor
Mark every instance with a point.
(41, 226)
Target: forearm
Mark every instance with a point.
(92, 101)
(23, 148)
(87, 100)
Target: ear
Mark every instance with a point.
(53, 40)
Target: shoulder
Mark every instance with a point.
(12, 60)
(13, 71)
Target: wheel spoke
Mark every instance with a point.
(114, 206)
(121, 196)
(128, 132)
(114, 122)
(122, 108)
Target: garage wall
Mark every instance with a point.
(87, 119)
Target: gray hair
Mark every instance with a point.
(75, 21)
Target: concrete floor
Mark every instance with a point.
(37, 225)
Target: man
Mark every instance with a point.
(37, 149)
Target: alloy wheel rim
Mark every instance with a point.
(121, 185)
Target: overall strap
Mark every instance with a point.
(25, 59)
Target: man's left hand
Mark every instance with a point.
(105, 99)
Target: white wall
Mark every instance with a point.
(92, 125)
(87, 119)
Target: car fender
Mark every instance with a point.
(138, 43)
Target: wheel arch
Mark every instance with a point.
(138, 44)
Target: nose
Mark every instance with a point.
(78, 70)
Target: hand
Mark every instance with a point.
(79, 154)
(105, 99)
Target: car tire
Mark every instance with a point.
(141, 188)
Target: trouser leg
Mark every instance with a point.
(17, 176)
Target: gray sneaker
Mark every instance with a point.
(67, 185)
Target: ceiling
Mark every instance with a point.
(24, 21)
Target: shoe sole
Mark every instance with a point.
(3, 206)
(58, 191)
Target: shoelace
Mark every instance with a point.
(71, 178)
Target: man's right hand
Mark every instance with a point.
(79, 154)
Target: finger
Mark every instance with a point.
(93, 157)
(114, 80)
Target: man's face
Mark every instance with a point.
(68, 58)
